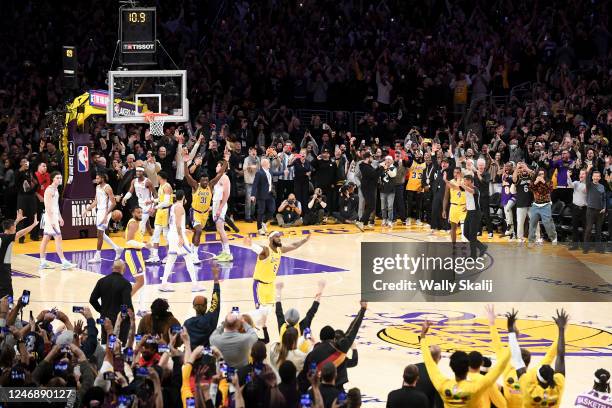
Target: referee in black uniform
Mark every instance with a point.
(473, 217)
(7, 238)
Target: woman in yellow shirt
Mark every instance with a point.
(542, 386)
(459, 392)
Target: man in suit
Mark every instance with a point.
(261, 194)
(424, 383)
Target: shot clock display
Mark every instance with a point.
(138, 30)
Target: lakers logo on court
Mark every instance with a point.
(465, 331)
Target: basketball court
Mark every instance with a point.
(387, 340)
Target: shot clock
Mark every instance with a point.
(138, 30)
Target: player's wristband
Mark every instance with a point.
(127, 196)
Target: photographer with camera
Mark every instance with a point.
(290, 212)
(316, 208)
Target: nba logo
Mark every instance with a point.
(82, 159)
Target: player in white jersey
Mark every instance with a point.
(52, 222)
(104, 203)
(143, 188)
(178, 244)
(221, 192)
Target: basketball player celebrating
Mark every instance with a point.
(143, 187)
(134, 239)
(456, 195)
(201, 196)
(543, 385)
(164, 202)
(221, 192)
(266, 268)
(178, 245)
(104, 203)
(52, 222)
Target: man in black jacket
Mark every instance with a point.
(113, 291)
(201, 326)
(369, 181)
(409, 395)
(325, 173)
(332, 349)
(438, 188)
(261, 193)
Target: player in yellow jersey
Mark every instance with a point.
(540, 386)
(201, 197)
(162, 208)
(266, 268)
(492, 395)
(134, 243)
(455, 195)
(414, 189)
(511, 389)
(459, 392)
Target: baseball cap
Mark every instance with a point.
(199, 300)
(583, 124)
(326, 150)
(292, 316)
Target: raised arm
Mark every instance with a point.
(294, 245)
(26, 230)
(561, 321)
(190, 180)
(515, 350)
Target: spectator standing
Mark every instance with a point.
(387, 191)
(409, 395)
(261, 193)
(26, 198)
(110, 293)
(541, 207)
(325, 173)
(301, 181)
(44, 180)
(151, 168)
(596, 209)
(7, 238)
(284, 185)
(250, 166)
(579, 207)
(369, 180)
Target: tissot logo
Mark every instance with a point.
(139, 46)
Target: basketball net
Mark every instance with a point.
(156, 122)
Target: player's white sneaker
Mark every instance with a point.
(67, 265)
(359, 225)
(95, 259)
(165, 288)
(152, 259)
(195, 259)
(197, 288)
(45, 265)
(508, 232)
(554, 241)
(118, 253)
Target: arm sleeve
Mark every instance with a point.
(353, 329)
(550, 355)
(435, 375)
(497, 345)
(517, 359)
(185, 386)
(91, 343)
(94, 298)
(496, 397)
(352, 362)
(280, 317)
(307, 321)
(266, 338)
(214, 305)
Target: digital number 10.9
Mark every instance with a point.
(137, 17)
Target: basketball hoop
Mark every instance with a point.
(156, 122)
